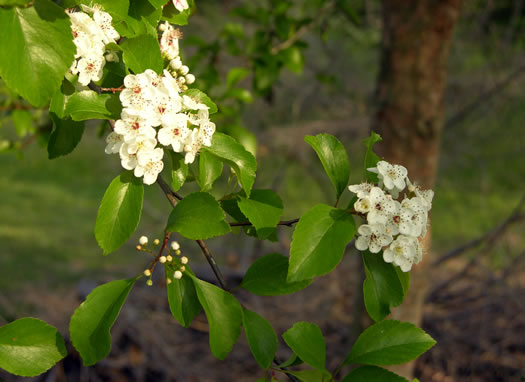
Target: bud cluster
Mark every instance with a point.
(91, 34)
(396, 225)
(156, 113)
(173, 259)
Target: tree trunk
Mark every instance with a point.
(416, 40)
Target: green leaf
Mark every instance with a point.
(334, 158)
(37, 50)
(182, 298)
(245, 137)
(210, 169)
(23, 122)
(116, 8)
(88, 104)
(235, 156)
(119, 212)
(8, 3)
(179, 170)
(65, 136)
(236, 75)
(29, 347)
(306, 340)
(371, 157)
(263, 209)
(141, 11)
(198, 216)
(158, 3)
(224, 315)
(202, 97)
(141, 53)
(383, 287)
(292, 361)
(261, 338)
(59, 100)
(172, 15)
(293, 59)
(319, 242)
(310, 375)
(267, 277)
(90, 324)
(390, 342)
(371, 374)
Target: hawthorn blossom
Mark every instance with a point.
(90, 69)
(403, 252)
(372, 237)
(114, 141)
(382, 206)
(181, 5)
(391, 176)
(150, 165)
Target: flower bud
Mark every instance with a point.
(112, 57)
(176, 63)
(177, 252)
(143, 240)
(169, 258)
(184, 260)
(175, 245)
(149, 282)
(190, 78)
(184, 70)
(182, 269)
(147, 273)
(156, 242)
(139, 247)
(168, 281)
(162, 259)
(177, 275)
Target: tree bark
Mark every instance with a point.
(411, 84)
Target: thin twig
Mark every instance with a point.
(288, 223)
(173, 198)
(488, 237)
(304, 29)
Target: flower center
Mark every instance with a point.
(135, 125)
(397, 219)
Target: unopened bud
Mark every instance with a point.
(176, 63)
(184, 70)
(168, 281)
(147, 273)
(182, 269)
(156, 242)
(149, 282)
(139, 247)
(169, 258)
(143, 240)
(112, 57)
(177, 252)
(177, 275)
(175, 245)
(184, 260)
(190, 78)
(162, 259)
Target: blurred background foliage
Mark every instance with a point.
(278, 70)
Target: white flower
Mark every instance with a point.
(382, 206)
(425, 196)
(372, 237)
(137, 91)
(206, 131)
(192, 147)
(163, 107)
(150, 165)
(130, 126)
(175, 131)
(401, 222)
(169, 42)
(403, 252)
(114, 142)
(191, 104)
(181, 5)
(90, 69)
(140, 145)
(143, 240)
(420, 215)
(175, 245)
(103, 20)
(361, 190)
(392, 176)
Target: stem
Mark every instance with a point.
(173, 198)
(288, 223)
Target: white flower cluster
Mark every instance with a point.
(169, 47)
(91, 35)
(398, 225)
(156, 112)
